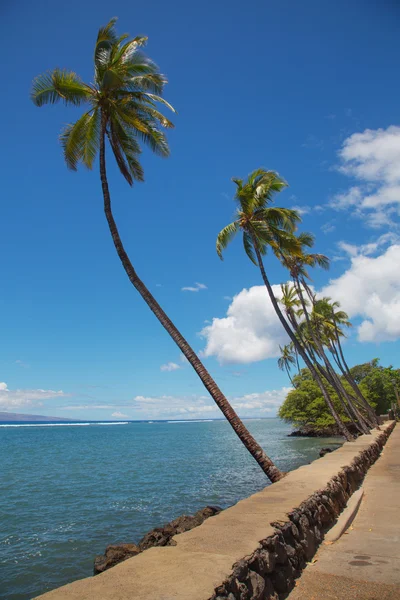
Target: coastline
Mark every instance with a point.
(254, 549)
(126, 485)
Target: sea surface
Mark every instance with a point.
(67, 491)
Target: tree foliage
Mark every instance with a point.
(381, 384)
(305, 406)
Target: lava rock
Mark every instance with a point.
(160, 536)
(114, 554)
(324, 451)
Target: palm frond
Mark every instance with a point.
(248, 247)
(53, 86)
(284, 218)
(225, 236)
(126, 150)
(72, 140)
(107, 33)
(306, 239)
(92, 139)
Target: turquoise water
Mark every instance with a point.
(68, 491)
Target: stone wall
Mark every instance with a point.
(270, 572)
(253, 550)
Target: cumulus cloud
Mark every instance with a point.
(119, 415)
(263, 402)
(371, 247)
(196, 288)
(250, 332)
(171, 366)
(12, 399)
(373, 159)
(203, 407)
(370, 289)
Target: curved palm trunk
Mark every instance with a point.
(329, 372)
(341, 426)
(359, 399)
(288, 374)
(346, 372)
(266, 464)
(344, 398)
(346, 407)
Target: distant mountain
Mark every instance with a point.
(7, 417)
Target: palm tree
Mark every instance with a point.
(287, 360)
(122, 109)
(265, 226)
(297, 265)
(332, 321)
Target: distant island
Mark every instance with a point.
(9, 417)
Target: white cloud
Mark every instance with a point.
(12, 399)
(370, 289)
(328, 227)
(250, 332)
(373, 158)
(264, 402)
(119, 415)
(369, 248)
(203, 407)
(171, 366)
(196, 288)
(302, 210)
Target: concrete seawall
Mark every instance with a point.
(251, 551)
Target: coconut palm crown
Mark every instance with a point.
(122, 102)
(262, 225)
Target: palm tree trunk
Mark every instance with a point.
(334, 379)
(351, 381)
(341, 426)
(359, 399)
(266, 464)
(288, 374)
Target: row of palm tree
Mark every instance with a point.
(310, 324)
(121, 114)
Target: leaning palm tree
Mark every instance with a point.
(298, 266)
(332, 321)
(264, 226)
(122, 109)
(287, 360)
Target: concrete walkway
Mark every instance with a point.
(364, 564)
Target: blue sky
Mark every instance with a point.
(308, 89)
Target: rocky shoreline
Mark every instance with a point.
(329, 431)
(159, 536)
(162, 536)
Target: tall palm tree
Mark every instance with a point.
(122, 109)
(332, 322)
(264, 226)
(298, 265)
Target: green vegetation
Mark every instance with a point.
(381, 384)
(304, 406)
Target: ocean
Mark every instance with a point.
(69, 490)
